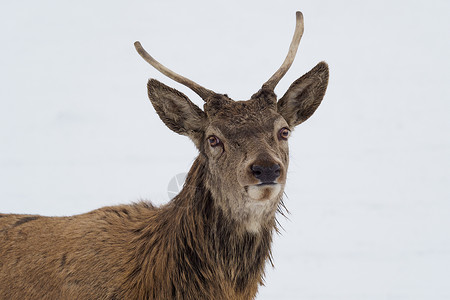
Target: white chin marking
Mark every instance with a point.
(263, 192)
(261, 205)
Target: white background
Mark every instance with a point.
(368, 187)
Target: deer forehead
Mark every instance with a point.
(246, 125)
(223, 106)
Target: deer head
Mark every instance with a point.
(244, 144)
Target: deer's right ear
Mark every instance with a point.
(176, 110)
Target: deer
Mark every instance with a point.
(212, 241)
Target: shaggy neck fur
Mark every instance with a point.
(197, 251)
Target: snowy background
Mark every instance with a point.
(369, 180)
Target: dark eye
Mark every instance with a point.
(214, 141)
(284, 133)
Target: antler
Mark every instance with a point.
(276, 77)
(201, 91)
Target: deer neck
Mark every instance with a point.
(203, 251)
(208, 234)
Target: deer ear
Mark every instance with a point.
(304, 95)
(176, 110)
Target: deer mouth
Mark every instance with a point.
(267, 183)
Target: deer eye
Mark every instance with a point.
(284, 133)
(214, 141)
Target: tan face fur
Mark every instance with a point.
(249, 135)
(244, 143)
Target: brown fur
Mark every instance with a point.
(183, 250)
(212, 241)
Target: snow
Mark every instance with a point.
(369, 180)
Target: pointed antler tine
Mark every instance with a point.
(276, 77)
(201, 91)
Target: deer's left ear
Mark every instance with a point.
(304, 95)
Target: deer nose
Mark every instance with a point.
(266, 174)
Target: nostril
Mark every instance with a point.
(277, 170)
(256, 170)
